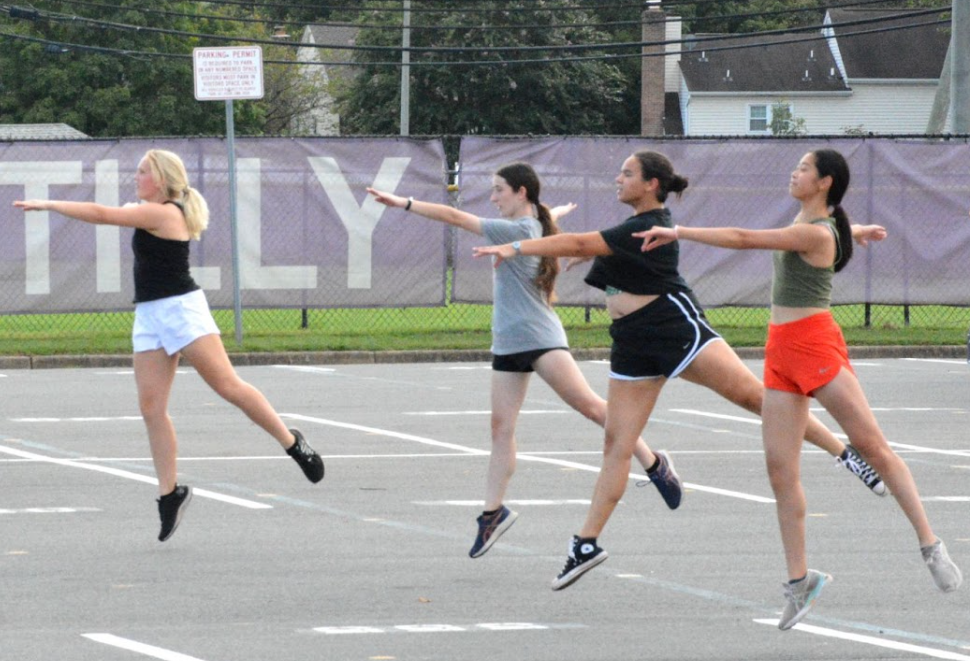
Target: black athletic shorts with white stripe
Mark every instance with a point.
(659, 339)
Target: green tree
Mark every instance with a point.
(109, 94)
(499, 97)
(783, 122)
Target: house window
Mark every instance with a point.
(761, 115)
(758, 119)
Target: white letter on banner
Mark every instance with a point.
(108, 255)
(359, 220)
(252, 273)
(36, 177)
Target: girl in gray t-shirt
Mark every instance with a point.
(527, 336)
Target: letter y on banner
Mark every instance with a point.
(359, 220)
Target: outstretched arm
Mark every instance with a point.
(863, 234)
(440, 212)
(145, 216)
(588, 244)
(795, 238)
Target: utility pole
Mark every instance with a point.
(960, 67)
(406, 69)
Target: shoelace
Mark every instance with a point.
(863, 470)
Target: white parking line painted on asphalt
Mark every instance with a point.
(523, 412)
(936, 360)
(872, 640)
(139, 648)
(119, 418)
(50, 510)
(523, 457)
(481, 503)
(72, 463)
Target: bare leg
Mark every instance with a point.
(844, 399)
(629, 405)
(785, 417)
(210, 360)
(508, 393)
(154, 374)
(559, 370)
(720, 369)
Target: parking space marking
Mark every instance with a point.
(522, 457)
(139, 648)
(872, 640)
(128, 475)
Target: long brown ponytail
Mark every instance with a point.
(521, 175)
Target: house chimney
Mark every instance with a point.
(652, 70)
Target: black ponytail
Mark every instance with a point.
(830, 163)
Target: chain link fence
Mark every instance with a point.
(303, 208)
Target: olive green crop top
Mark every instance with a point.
(798, 284)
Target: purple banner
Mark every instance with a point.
(309, 235)
(919, 190)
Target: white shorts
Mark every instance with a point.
(172, 323)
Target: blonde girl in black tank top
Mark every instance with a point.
(161, 180)
(818, 183)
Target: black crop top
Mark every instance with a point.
(630, 270)
(161, 266)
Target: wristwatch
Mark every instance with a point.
(517, 247)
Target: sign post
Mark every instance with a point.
(224, 74)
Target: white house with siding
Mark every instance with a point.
(858, 77)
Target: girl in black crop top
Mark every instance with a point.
(171, 214)
(658, 330)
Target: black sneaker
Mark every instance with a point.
(859, 467)
(171, 507)
(490, 528)
(584, 554)
(306, 457)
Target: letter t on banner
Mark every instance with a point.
(224, 74)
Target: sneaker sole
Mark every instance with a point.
(880, 489)
(178, 516)
(498, 532)
(559, 583)
(813, 597)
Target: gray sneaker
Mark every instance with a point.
(801, 597)
(946, 574)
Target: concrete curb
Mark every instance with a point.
(430, 356)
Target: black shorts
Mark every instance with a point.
(520, 362)
(659, 339)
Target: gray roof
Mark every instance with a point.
(40, 132)
(328, 35)
(913, 53)
(764, 66)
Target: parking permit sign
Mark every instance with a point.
(228, 73)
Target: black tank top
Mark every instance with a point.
(161, 265)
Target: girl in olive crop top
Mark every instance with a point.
(659, 332)
(172, 318)
(806, 357)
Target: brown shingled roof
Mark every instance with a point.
(913, 53)
(765, 66)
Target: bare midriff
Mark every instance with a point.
(781, 314)
(620, 303)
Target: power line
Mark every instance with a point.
(606, 57)
(482, 28)
(430, 50)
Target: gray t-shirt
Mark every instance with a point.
(521, 318)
